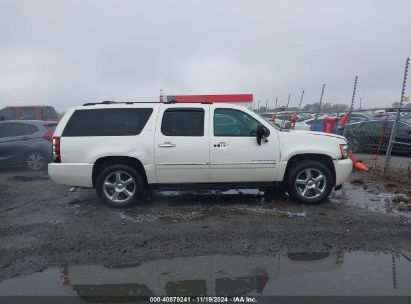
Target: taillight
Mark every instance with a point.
(56, 150)
(49, 135)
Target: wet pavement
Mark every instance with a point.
(281, 274)
(245, 242)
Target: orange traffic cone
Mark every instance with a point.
(360, 167)
(356, 164)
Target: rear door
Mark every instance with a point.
(235, 155)
(182, 144)
(14, 141)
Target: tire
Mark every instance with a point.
(302, 184)
(119, 186)
(35, 161)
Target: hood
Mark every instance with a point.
(302, 132)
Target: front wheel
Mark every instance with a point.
(119, 186)
(309, 182)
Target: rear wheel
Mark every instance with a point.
(35, 161)
(309, 182)
(119, 186)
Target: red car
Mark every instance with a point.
(46, 113)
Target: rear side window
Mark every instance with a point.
(33, 129)
(107, 122)
(14, 129)
(183, 122)
(27, 113)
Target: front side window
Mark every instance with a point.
(14, 129)
(27, 113)
(183, 122)
(107, 122)
(231, 122)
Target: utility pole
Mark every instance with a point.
(360, 102)
(266, 105)
(397, 119)
(352, 105)
(316, 112)
(276, 104)
(288, 102)
(301, 99)
(258, 107)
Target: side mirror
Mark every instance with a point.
(262, 132)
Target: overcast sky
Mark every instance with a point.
(65, 53)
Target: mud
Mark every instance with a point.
(42, 225)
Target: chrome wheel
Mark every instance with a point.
(310, 183)
(119, 187)
(35, 161)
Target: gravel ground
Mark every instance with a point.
(43, 225)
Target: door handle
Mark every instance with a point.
(220, 145)
(25, 138)
(166, 145)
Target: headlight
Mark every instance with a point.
(344, 151)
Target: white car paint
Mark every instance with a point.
(206, 159)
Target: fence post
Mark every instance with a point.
(299, 106)
(316, 112)
(351, 107)
(288, 102)
(397, 119)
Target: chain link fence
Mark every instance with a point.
(372, 110)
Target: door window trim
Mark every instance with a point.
(178, 109)
(232, 135)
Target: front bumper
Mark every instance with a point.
(343, 169)
(71, 174)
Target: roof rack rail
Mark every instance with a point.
(108, 102)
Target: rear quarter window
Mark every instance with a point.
(107, 122)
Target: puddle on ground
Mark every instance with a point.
(282, 274)
(184, 206)
(29, 178)
(357, 196)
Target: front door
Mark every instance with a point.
(14, 142)
(182, 144)
(235, 155)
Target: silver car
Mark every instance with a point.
(26, 143)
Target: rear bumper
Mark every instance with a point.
(71, 174)
(343, 169)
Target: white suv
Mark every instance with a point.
(122, 148)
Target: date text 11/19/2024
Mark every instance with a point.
(204, 299)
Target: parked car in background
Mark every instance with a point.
(26, 143)
(358, 116)
(29, 113)
(282, 119)
(372, 136)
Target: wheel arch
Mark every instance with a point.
(103, 162)
(323, 158)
